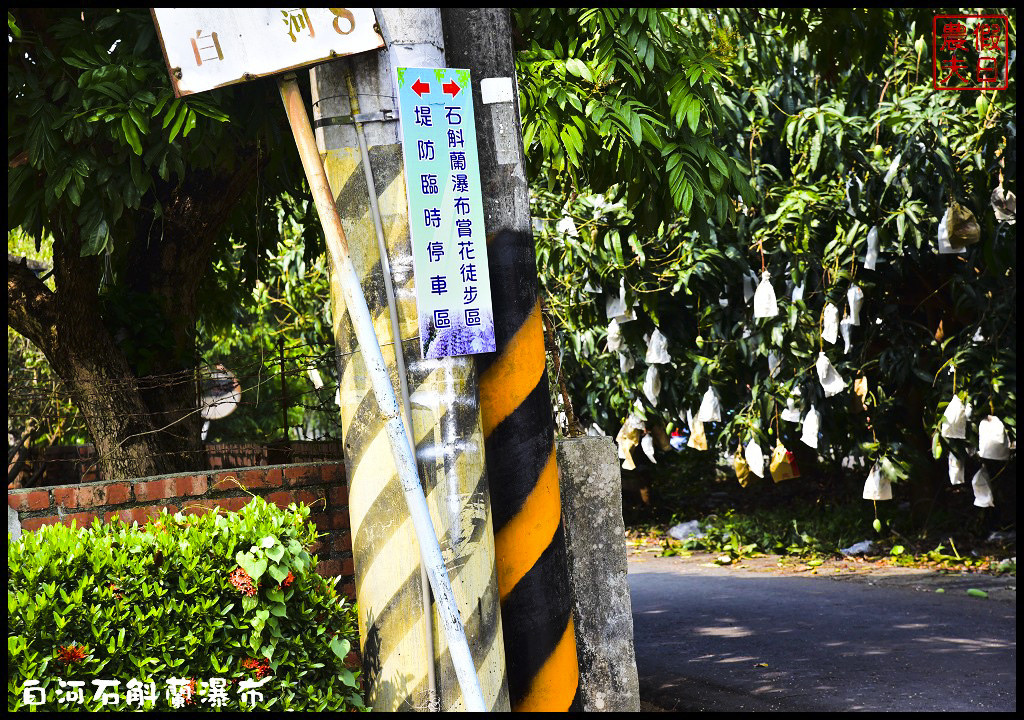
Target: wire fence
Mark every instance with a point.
(264, 407)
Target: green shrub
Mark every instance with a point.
(230, 597)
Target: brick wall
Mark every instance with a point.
(66, 464)
(322, 486)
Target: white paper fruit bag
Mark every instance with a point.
(831, 382)
(877, 486)
(765, 305)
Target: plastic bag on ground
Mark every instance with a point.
(954, 420)
(765, 305)
(982, 490)
(871, 255)
(657, 348)
(956, 470)
(830, 380)
(992, 442)
(710, 409)
(755, 458)
(855, 298)
(861, 548)
(783, 464)
(652, 385)
(739, 464)
(614, 336)
(877, 487)
(647, 445)
(686, 530)
(846, 330)
(830, 324)
(809, 428)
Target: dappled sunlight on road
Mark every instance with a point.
(760, 642)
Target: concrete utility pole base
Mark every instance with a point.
(591, 484)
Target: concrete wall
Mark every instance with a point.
(595, 540)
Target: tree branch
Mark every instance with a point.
(31, 306)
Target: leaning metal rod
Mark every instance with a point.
(401, 447)
(403, 380)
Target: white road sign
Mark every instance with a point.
(207, 48)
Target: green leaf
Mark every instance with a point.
(341, 647)
(278, 572)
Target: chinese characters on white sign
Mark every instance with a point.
(453, 289)
(206, 48)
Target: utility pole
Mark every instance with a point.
(536, 606)
(406, 660)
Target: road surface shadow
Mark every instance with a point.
(717, 639)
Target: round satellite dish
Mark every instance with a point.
(221, 393)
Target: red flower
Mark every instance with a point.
(68, 654)
(260, 668)
(242, 582)
(116, 590)
(288, 580)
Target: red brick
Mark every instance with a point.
(190, 485)
(66, 496)
(347, 567)
(309, 497)
(333, 473)
(302, 475)
(329, 568)
(119, 493)
(81, 520)
(141, 515)
(198, 507)
(338, 495)
(342, 541)
(249, 478)
(233, 504)
(322, 522)
(275, 477)
(30, 524)
(281, 498)
(348, 590)
(153, 490)
(35, 500)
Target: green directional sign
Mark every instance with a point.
(446, 221)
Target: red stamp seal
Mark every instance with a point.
(970, 52)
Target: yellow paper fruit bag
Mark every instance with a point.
(742, 469)
(783, 465)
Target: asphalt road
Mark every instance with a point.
(723, 639)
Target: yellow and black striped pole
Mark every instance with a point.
(536, 606)
(448, 439)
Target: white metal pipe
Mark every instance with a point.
(403, 380)
(401, 447)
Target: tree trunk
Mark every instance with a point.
(143, 417)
